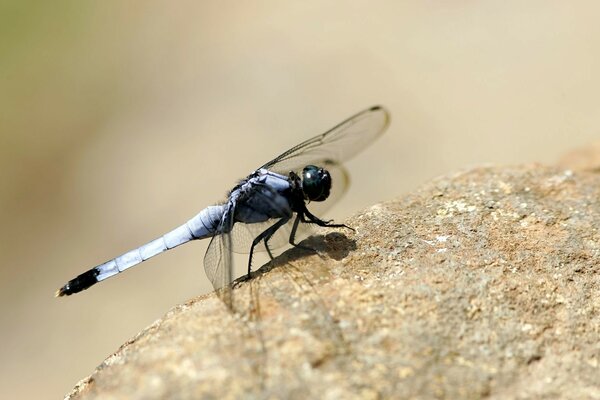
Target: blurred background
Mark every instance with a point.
(119, 120)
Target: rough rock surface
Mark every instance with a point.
(481, 284)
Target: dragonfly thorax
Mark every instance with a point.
(316, 183)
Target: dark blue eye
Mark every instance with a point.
(316, 183)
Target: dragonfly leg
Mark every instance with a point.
(299, 218)
(266, 235)
(312, 219)
(266, 240)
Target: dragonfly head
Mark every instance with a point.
(316, 183)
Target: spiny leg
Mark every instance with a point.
(265, 235)
(266, 240)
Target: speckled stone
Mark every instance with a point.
(485, 283)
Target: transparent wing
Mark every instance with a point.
(328, 150)
(339, 144)
(218, 261)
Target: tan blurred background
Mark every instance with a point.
(120, 120)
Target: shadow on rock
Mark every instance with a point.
(333, 245)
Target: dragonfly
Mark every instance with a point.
(269, 208)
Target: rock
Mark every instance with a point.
(481, 284)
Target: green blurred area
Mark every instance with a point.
(45, 104)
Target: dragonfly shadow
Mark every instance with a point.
(333, 245)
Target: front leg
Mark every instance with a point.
(312, 219)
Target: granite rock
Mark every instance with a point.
(480, 284)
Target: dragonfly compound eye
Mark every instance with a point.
(316, 183)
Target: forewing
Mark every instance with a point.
(339, 144)
(328, 150)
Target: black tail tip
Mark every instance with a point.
(63, 291)
(78, 284)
